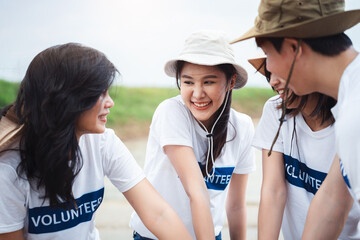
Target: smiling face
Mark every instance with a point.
(203, 90)
(94, 119)
(278, 85)
(279, 63)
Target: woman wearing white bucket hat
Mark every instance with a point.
(197, 143)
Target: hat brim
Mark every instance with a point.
(207, 60)
(258, 63)
(324, 26)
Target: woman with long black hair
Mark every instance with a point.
(52, 173)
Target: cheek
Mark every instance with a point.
(270, 64)
(185, 93)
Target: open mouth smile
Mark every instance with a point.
(201, 105)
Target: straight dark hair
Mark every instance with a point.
(329, 45)
(221, 128)
(61, 82)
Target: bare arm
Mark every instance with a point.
(17, 235)
(157, 215)
(186, 166)
(236, 206)
(273, 195)
(329, 208)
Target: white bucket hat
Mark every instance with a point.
(208, 48)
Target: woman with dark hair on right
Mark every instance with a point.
(55, 152)
(296, 164)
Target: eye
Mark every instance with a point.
(187, 82)
(209, 82)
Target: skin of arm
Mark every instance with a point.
(273, 195)
(329, 208)
(184, 161)
(17, 235)
(236, 206)
(157, 215)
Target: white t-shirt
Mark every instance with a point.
(173, 124)
(21, 206)
(307, 159)
(347, 127)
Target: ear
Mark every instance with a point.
(232, 81)
(293, 44)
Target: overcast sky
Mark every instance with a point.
(138, 36)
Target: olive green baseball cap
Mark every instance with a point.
(301, 19)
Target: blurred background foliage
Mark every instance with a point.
(134, 107)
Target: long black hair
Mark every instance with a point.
(61, 82)
(220, 131)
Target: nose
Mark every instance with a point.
(275, 81)
(109, 103)
(198, 91)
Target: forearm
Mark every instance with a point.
(271, 211)
(237, 222)
(201, 218)
(156, 214)
(169, 220)
(17, 235)
(329, 208)
(325, 219)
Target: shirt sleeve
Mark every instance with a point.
(171, 124)
(246, 155)
(12, 200)
(348, 143)
(268, 127)
(119, 164)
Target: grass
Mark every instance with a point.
(134, 107)
(8, 92)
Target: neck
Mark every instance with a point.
(330, 70)
(314, 123)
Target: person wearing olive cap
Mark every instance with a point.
(305, 148)
(305, 44)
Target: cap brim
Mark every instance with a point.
(325, 26)
(258, 64)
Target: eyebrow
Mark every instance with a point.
(206, 77)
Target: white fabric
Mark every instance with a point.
(347, 130)
(312, 155)
(21, 206)
(209, 48)
(173, 124)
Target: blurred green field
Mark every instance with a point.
(134, 107)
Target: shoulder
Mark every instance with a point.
(10, 159)
(240, 118)
(171, 104)
(273, 103)
(99, 141)
(242, 124)
(172, 110)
